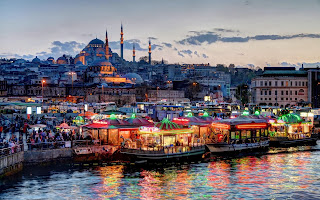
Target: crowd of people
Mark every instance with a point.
(14, 131)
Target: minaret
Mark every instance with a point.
(149, 52)
(134, 52)
(121, 41)
(107, 47)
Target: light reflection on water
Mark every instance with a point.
(275, 176)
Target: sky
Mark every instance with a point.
(255, 33)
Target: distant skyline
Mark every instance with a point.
(243, 32)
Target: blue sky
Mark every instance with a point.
(258, 32)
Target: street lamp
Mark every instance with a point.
(42, 82)
(72, 73)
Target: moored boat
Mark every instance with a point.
(164, 141)
(237, 135)
(291, 130)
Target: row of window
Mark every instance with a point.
(282, 99)
(283, 83)
(282, 92)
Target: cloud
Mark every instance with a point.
(226, 30)
(167, 44)
(152, 38)
(208, 37)
(196, 53)
(205, 56)
(180, 54)
(10, 55)
(57, 49)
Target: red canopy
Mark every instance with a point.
(66, 126)
(116, 122)
(189, 120)
(96, 125)
(139, 121)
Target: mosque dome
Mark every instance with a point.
(36, 60)
(96, 41)
(62, 60)
(79, 63)
(101, 62)
(136, 78)
(50, 60)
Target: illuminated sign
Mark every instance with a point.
(149, 129)
(29, 110)
(180, 120)
(222, 126)
(251, 126)
(38, 110)
(100, 122)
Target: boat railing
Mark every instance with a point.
(11, 150)
(164, 150)
(49, 145)
(84, 143)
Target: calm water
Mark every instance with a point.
(278, 176)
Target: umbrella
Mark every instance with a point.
(66, 126)
(38, 126)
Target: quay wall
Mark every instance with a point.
(11, 164)
(42, 156)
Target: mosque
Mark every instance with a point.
(98, 56)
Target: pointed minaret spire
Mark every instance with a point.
(107, 46)
(149, 52)
(134, 52)
(121, 41)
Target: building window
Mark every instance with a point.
(296, 99)
(287, 93)
(269, 83)
(296, 83)
(287, 99)
(265, 83)
(281, 99)
(269, 92)
(281, 92)
(261, 92)
(275, 92)
(270, 99)
(265, 92)
(282, 83)
(261, 99)
(291, 83)
(265, 99)
(261, 83)
(296, 92)
(290, 92)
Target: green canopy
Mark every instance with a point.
(290, 118)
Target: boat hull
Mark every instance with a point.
(136, 155)
(285, 142)
(234, 148)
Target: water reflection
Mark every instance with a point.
(276, 176)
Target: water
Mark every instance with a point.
(292, 175)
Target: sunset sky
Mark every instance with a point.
(244, 32)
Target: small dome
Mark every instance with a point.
(50, 58)
(96, 41)
(79, 63)
(101, 62)
(62, 58)
(36, 60)
(136, 78)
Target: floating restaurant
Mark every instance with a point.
(291, 130)
(238, 134)
(165, 140)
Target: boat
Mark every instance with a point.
(236, 135)
(165, 141)
(291, 130)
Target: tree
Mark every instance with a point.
(242, 93)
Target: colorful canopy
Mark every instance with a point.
(189, 121)
(66, 126)
(116, 122)
(165, 124)
(290, 118)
